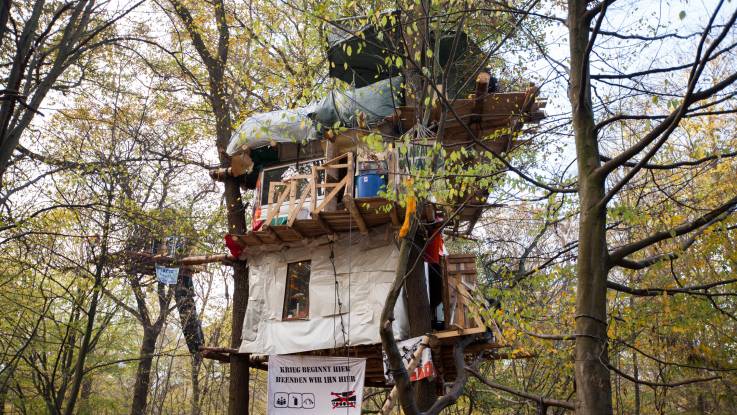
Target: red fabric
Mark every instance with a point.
(434, 249)
(234, 247)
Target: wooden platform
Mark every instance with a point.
(442, 344)
(368, 213)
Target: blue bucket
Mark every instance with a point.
(368, 184)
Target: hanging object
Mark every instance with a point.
(191, 325)
(233, 246)
(411, 208)
(417, 359)
(166, 275)
(315, 385)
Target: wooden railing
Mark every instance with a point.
(297, 189)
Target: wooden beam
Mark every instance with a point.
(272, 233)
(394, 215)
(221, 174)
(459, 332)
(429, 212)
(331, 196)
(355, 213)
(323, 223)
(189, 260)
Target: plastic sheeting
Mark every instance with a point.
(365, 268)
(283, 126)
(376, 101)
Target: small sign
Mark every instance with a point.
(407, 349)
(167, 275)
(312, 385)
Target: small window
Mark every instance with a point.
(297, 292)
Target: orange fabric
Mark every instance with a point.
(411, 208)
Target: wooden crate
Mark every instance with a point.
(459, 280)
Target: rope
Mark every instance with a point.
(337, 303)
(350, 271)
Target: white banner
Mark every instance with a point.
(407, 348)
(313, 385)
(167, 275)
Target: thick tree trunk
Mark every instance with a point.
(84, 348)
(420, 317)
(196, 362)
(239, 364)
(143, 373)
(593, 385)
(84, 397)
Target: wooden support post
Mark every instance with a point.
(482, 87)
(356, 214)
(350, 176)
(394, 215)
(313, 186)
(429, 212)
(331, 175)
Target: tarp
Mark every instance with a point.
(310, 385)
(363, 284)
(359, 56)
(376, 102)
(283, 126)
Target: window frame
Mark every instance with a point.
(288, 293)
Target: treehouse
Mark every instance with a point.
(322, 245)
(148, 254)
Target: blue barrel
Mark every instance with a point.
(369, 183)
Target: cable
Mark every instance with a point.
(337, 303)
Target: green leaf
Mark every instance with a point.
(682, 14)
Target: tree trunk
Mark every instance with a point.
(4, 386)
(593, 385)
(419, 316)
(239, 364)
(143, 373)
(85, 347)
(196, 362)
(84, 397)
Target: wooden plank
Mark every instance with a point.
(295, 211)
(460, 332)
(350, 176)
(429, 212)
(356, 214)
(313, 187)
(482, 86)
(323, 224)
(331, 196)
(274, 207)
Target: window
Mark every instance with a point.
(297, 291)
